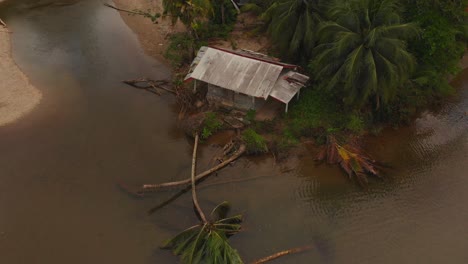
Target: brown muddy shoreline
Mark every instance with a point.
(153, 36)
(17, 95)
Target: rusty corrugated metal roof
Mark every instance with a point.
(247, 73)
(236, 73)
(287, 86)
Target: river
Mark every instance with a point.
(59, 165)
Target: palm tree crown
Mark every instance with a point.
(362, 51)
(291, 25)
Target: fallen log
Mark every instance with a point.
(2, 23)
(237, 154)
(124, 10)
(151, 85)
(281, 254)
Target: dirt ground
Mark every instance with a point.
(244, 37)
(154, 37)
(17, 95)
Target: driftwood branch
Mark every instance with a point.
(194, 191)
(282, 253)
(237, 154)
(124, 10)
(2, 23)
(150, 85)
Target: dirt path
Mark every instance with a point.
(17, 95)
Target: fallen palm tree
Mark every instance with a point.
(207, 242)
(146, 188)
(350, 158)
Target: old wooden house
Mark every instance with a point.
(244, 79)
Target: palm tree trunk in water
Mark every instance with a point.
(194, 192)
(237, 154)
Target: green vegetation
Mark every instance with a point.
(250, 115)
(362, 54)
(381, 60)
(254, 142)
(207, 242)
(181, 49)
(319, 113)
(372, 62)
(291, 25)
(191, 13)
(438, 49)
(211, 125)
(202, 18)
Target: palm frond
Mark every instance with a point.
(220, 211)
(208, 242)
(355, 163)
(362, 51)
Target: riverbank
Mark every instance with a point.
(17, 95)
(464, 61)
(153, 36)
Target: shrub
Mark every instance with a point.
(250, 115)
(211, 125)
(315, 109)
(255, 143)
(355, 123)
(181, 49)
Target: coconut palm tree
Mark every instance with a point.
(207, 242)
(291, 25)
(362, 51)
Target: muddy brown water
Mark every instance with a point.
(59, 166)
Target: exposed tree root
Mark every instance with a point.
(282, 253)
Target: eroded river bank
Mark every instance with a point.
(59, 166)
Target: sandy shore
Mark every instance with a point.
(17, 95)
(153, 37)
